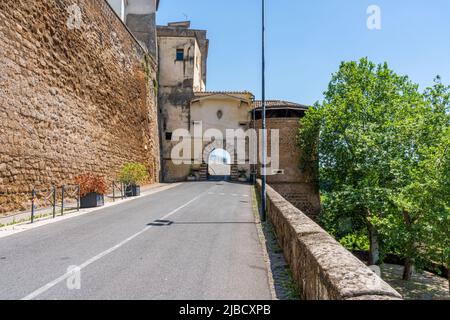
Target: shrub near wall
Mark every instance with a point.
(322, 268)
(71, 100)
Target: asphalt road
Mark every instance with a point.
(207, 247)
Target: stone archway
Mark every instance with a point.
(219, 171)
(219, 165)
(219, 145)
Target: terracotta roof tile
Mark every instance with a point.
(279, 104)
(209, 93)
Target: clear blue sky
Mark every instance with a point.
(307, 39)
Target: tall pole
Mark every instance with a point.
(264, 134)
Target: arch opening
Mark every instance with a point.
(219, 165)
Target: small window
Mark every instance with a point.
(180, 54)
(169, 136)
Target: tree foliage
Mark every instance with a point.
(380, 149)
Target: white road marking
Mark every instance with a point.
(53, 283)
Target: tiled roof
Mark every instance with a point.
(210, 93)
(279, 104)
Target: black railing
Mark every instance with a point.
(63, 199)
(45, 198)
(118, 191)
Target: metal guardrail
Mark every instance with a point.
(42, 197)
(119, 191)
(56, 198)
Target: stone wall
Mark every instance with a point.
(296, 186)
(321, 267)
(304, 196)
(72, 100)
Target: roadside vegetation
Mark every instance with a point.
(380, 149)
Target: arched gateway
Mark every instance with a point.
(220, 160)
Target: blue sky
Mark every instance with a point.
(307, 40)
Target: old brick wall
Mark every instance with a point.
(71, 100)
(321, 267)
(304, 196)
(293, 184)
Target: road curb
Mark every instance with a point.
(263, 241)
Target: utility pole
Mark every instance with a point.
(264, 133)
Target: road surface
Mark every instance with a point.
(205, 247)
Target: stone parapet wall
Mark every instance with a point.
(72, 100)
(321, 267)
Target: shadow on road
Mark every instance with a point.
(160, 223)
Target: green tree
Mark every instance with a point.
(378, 142)
(418, 227)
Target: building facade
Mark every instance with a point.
(190, 113)
(182, 56)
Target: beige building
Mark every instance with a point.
(217, 119)
(182, 55)
(195, 124)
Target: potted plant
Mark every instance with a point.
(131, 175)
(92, 190)
(243, 175)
